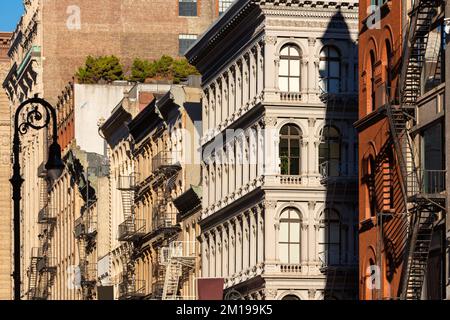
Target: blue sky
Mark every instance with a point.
(10, 13)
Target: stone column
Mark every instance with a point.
(212, 253)
(271, 237)
(270, 69)
(253, 152)
(239, 239)
(260, 73)
(212, 109)
(271, 142)
(260, 233)
(219, 103)
(239, 162)
(260, 151)
(238, 85)
(253, 73)
(225, 99)
(245, 80)
(232, 167)
(253, 233)
(304, 158)
(218, 257)
(206, 186)
(231, 92)
(245, 241)
(232, 249)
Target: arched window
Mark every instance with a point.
(290, 142)
(289, 72)
(330, 152)
(330, 234)
(330, 70)
(372, 81)
(289, 237)
(388, 69)
(291, 297)
(369, 168)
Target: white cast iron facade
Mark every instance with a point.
(270, 226)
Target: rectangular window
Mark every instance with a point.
(187, 8)
(185, 42)
(224, 5)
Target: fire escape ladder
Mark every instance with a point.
(414, 50)
(33, 278)
(174, 271)
(420, 244)
(127, 203)
(418, 204)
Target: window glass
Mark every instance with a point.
(330, 70)
(330, 152)
(187, 8)
(289, 237)
(289, 69)
(290, 143)
(224, 5)
(185, 42)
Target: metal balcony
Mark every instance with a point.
(166, 160)
(46, 264)
(181, 251)
(163, 219)
(88, 274)
(84, 229)
(80, 228)
(46, 215)
(131, 229)
(131, 289)
(432, 184)
(128, 183)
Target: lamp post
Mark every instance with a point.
(38, 117)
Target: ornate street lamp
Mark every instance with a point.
(37, 118)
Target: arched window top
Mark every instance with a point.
(291, 130)
(290, 214)
(328, 215)
(289, 69)
(290, 50)
(290, 236)
(330, 132)
(329, 52)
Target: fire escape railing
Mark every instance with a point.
(417, 184)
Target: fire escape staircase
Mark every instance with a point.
(177, 264)
(419, 206)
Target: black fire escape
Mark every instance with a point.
(421, 190)
(42, 270)
(131, 231)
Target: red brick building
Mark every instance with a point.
(381, 241)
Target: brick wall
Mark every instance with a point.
(129, 29)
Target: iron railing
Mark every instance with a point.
(163, 218)
(165, 159)
(131, 229)
(430, 182)
(131, 288)
(128, 183)
(46, 215)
